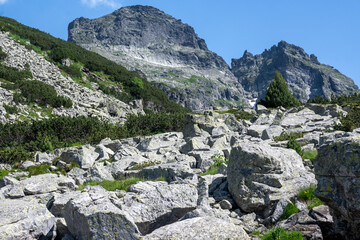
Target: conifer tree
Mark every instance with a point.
(278, 94)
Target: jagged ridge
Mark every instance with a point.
(306, 76)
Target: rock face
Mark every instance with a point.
(337, 171)
(167, 51)
(306, 77)
(260, 175)
(24, 220)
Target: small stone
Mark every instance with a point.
(225, 204)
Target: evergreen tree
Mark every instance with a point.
(278, 94)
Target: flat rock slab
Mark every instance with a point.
(199, 228)
(24, 220)
(154, 204)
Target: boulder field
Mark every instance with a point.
(175, 197)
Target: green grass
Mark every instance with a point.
(288, 136)
(211, 171)
(308, 195)
(310, 154)
(38, 170)
(117, 184)
(279, 233)
(4, 173)
(288, 211)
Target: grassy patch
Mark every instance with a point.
(288, 136)
(289, 210)
(4, 173)
(218, 160)
(279, 233)
(308, 196)
(310, 154)
(38, 170)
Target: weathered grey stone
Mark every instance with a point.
(303, 223)
(24, 220)
(337, 170)
(13, 191)
(57, 204)
(43, 158)
(104, 152)
(199, 228)
(125, 151)
(154, 204)
(26, 165)
(225, 204)
(195, 144)
(260, 175)
(114, 145)
(85, 156)
(99, 172)
(94, 216)
(160, 141)
(79, 175)
(47, 183)
(170, 171)
(257, 131)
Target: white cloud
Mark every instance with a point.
(3, 1)
(93, 3)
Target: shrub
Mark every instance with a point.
(349, 122)
(319, 100)
(11, 109)
(289, 210)
(308, 195)
(279, 233)
(218, 160)
(2, 55)
(278, 94)
(12, 155)
(293, 144)
(41, 93)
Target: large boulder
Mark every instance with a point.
(260, 175)
(337, 170)
(93, 215)
(154, 204)
(199, 228)
(24, 220)
(85, 156)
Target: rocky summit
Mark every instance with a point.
(305, 75)
(168, 52)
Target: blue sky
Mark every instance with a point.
(330, 29)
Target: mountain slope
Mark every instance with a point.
(85, 71)
(306, 77)
(167, 51)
